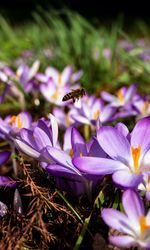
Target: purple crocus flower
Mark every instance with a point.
(12, 124)
(54, 85)
(123, 98)
(25, 76)
(90, 109)
(133, 224)
(68, 177)
(129, 154)
(142, 105)
(33, 141)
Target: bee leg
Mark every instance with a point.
(74, 100)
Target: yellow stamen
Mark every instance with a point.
(71, 152)
(12, 120)
(96, 114)
(55, 95)
(143, 224)
(81, 154)
(136, 155)
(19, 122)
(145, 107)
(120, 96)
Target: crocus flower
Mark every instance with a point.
(129, 154)
(142, 105)
(54, 85)
(33, 141)
(25, 76)
(12, 124)
(124, 96)
(133, 224)
(52, 93)
(90, 109)
(68, 177)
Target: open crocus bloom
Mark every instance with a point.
(33, 141)
(123, 97)
(129, 155)
(133, 225)
(13, 124)
(91, 109)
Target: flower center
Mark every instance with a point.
(120, 96)
(16, 121)
(143, 224)
(96, 114)
(55, 95)
(136, 155)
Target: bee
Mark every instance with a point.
(75, 94)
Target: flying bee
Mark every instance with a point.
(75, 94)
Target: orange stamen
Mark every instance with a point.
(136, 155)
(96, 114)
(12, 120)
(120, 96)
(143, 224)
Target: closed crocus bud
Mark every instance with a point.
(17, 202)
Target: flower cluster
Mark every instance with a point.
(95, 144)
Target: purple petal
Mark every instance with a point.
(107, 114)
(6, 181)
(122, 129)
(141, 135)
(130, 92)
(114, 143)
(67, 140)
(62, 158)
(61, 171)
(126, 178)
(95, 149)
(4, 156)
(97, 166)
(54, 126)
(80, 119)
(117, 220)
(133, 206)
(27, 136)
(122, 241)
(66, 74)
(27, 149)
(78, 143)
(108, 97)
